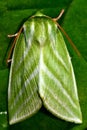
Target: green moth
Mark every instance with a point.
(41, 73)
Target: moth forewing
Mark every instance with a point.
(41, 72)
(23, 98)
(58, 86)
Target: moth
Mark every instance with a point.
(41, 73)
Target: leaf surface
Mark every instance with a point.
(12, 16)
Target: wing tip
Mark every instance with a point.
(15, 120)
(75, 118)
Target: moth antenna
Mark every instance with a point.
(69, 39)
(12, 47)
(59, 16)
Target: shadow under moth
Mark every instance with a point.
(41, 72)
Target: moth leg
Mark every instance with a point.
(12, 47)
(9, 60)
(12, 35)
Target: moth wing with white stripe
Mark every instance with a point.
(57, 84)
(41, 72)
(23, 98)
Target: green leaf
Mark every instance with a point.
(12, 14)
(3, 99)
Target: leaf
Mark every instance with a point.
(10, 21)
(3, 99)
